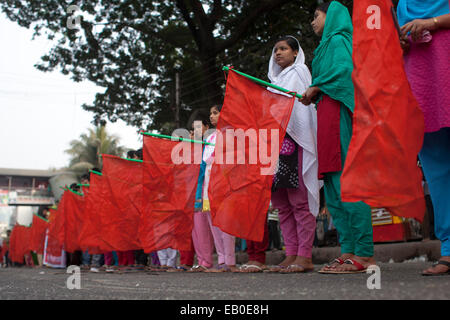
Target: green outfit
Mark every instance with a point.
(331, 71)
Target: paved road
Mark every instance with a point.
(398, 281)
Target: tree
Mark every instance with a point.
(85, 153)
(134, 48)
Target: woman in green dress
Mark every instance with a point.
(332, 91)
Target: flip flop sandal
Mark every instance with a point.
(359, 268)
(178, 269)
(219, 269)
(250, 266)
(296, 268)
(274, 269)
(339, 261)
(442, 262)
(197, 268)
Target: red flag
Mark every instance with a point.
(168, 194)
(90, 234)
(240, 194)
(381, 165)
(73, 220)
(38, 230)
(120, 220)
(56, 228)
(19, 243)
(54, 246)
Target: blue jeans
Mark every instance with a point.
(97, 260)
(86, 258)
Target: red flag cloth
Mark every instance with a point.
(381, 165)
(168, 193)
(54, 246)
(56, 228)
(90, 234)
(38, 230)
(120, 221)
(73, 220)
(19, 243)
(239, 194)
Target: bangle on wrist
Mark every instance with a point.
(435, 20)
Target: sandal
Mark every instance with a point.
(198, 268)
(245, 268)
(220, 268)
(275, 269)
(296, 268)
(178, 269)
(329, 265)
(440, 262)
(359, 268)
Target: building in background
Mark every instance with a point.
(22, 191)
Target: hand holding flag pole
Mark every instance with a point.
(264, 83)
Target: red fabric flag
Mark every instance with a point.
(381, 165)
(120, 220)
(73, 220)
(90, 234)
(19, 243)
(168, 194)
(239, 193)
(54, 246)
(38, 230)
(56, 228)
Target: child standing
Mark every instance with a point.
(203, 228)
(295, 190)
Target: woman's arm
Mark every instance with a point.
(309, 95)
(417, 26)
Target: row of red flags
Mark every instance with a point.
(150, 205)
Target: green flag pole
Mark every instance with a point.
(82, 184)
(264, 83)
(175, 138)
(135, 160)
(96, 172)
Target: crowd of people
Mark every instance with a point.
(314, 151)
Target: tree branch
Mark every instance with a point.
(265, 6)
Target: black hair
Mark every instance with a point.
(138, 153)
(323, 7)
(85, 176)
(217, 106)
(291, 41)
(74, 187)
(130, 154)
(204, 118)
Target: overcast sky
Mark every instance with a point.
(40, 113)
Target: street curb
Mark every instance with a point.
(383, 252)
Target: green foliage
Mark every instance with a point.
(85, 153)
(134, 48)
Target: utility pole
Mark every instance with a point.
(177, 99)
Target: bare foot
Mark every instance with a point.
(286, 262)
(300, 264)
(220, 268)
(232, 268)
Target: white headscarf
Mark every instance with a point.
(302, 125)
